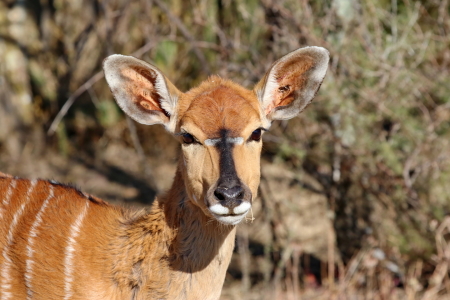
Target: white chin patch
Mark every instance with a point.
(227, 217)
(230, 219)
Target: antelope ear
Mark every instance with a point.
(292, 82)
(141, 90)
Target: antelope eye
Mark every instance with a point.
(256, 135)
(188, 138)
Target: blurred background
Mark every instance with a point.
(355, 192)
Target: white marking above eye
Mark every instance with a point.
(212, 142)
(231, 140)
(236, 140)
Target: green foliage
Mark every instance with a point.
(108, 113)
(63, 140)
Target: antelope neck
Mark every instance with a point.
(194, 239)
(179, 241)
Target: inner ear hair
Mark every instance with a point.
(141, 90)
(292, 82)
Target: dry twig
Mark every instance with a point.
(86, 86)
(185, 32)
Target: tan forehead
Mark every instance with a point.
(219, 104)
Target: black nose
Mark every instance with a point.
(230, 197)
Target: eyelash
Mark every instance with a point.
(256, 135)
(188, 138)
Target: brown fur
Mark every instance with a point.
(119, 254)
(59, 243)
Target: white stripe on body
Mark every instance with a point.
(11, 187)
(5, 292)
(70, 248)
(30, 251)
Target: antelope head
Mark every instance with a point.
(219, 123)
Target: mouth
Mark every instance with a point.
(229, 216)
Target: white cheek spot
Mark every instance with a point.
(242, 208)
(184, 161)
(195, 198)
(219, 209)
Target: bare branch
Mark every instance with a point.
(86, 86)
(186, 34)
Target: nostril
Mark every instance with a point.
(219, 195)
(234, 193)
